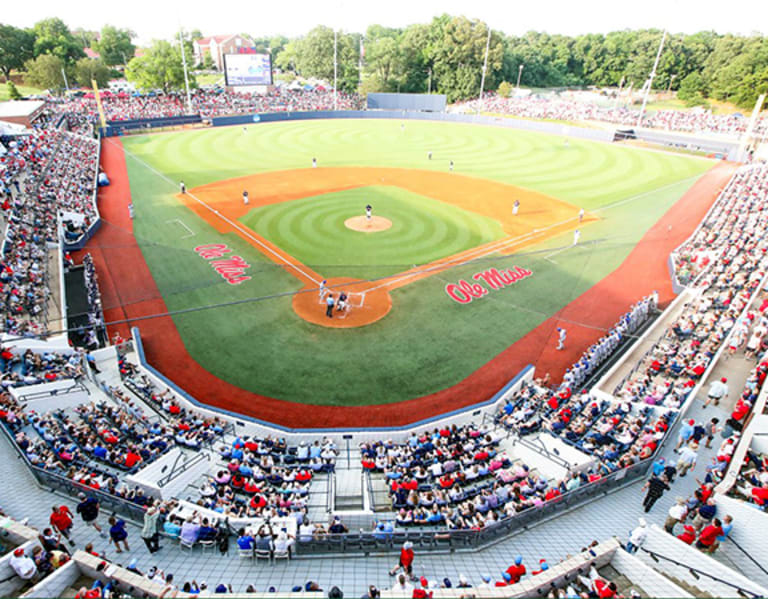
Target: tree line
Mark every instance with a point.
(444, 56)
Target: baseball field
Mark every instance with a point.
(427, 309)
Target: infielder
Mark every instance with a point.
(368, 212)
(314, 163)
(515, 207)
(245, 197)
(560, 338)
(429, 155)
(182, 187)
(581, 215)
(450, 166)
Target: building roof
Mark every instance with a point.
(91, 53)
(220, 39)
(19, 108)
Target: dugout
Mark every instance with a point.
(417, 102)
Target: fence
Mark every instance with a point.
(433, 538)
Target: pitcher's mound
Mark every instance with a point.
(360, 223)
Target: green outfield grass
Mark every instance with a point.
(423, 229)
(427, 342)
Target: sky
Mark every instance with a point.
(157, 19)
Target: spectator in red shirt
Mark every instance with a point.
(688, 536)
(517, 570)
(406, 561)
(61, 520)
(709, 535)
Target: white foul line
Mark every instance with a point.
(222, 217)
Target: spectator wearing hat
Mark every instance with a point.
(517, 570)
(543, 567)
(638, 536)
(406, 561)
(686, 430)
(717, 391)
(687, 459)
(23, 565)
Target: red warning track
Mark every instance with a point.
(126, 283)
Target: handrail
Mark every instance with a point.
(74, 388)
(540, 447)
(330, 500)
(654, 555)
(745, 552)
(185, 465)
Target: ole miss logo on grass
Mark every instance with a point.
(232, 268)
(465, 292)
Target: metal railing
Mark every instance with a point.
(431, 537)
(179, 469)
(696, 573)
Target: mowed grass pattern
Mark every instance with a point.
(423, 229)
(427, 342)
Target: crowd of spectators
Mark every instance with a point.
(564, 108)
(207, 103)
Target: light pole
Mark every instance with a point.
(519, 74)
(429, 80)
(485, 68)
(186, 75)
(671, 79)
(650, 79)
(335, 70)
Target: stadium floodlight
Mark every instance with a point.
(649, 85)
(335, 69)
(485, 68)
(519, 74)
(186, 75)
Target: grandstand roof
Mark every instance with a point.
(19, 108)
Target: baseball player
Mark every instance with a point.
(560, 338)
(429, 155)
(245, 197)
(581, 215)
(368, 212)
(182, 187)
(576, 236)
(450, 166)
(323, 283)
(341, 303)
(515, 207)
(314, 162)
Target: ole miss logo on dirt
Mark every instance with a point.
(232, 268)
(465, 292)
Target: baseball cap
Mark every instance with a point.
(725, 380)
(518, 559)
(486, 577)
(424, 582)
(507, 576)
(18, 552)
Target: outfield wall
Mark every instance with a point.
(403, 115)
(253, 426)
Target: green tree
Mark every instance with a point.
(383, 62)
(159, 68)
(692, 87)
(505, 89)
(115, 45)
(16, 47)
(46, 71)
(458, 59)
(52, 36)
(87, 70)
(13, 93)
(314, 57)
(208, 64)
